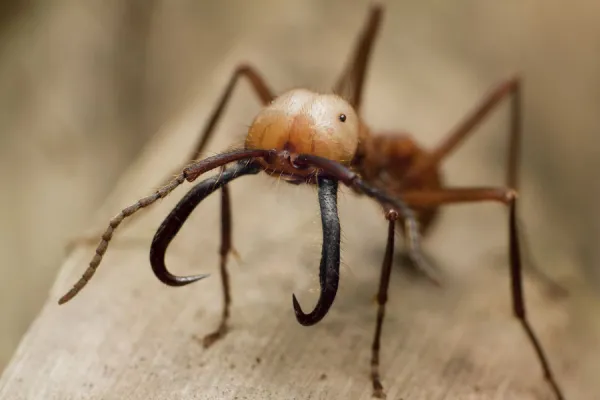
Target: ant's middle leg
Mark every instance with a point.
(508, 197)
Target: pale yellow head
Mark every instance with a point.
(304, 122)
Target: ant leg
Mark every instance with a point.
(428, 199)
(259, 86)
(175, 220)
(382, 296)
(509, 88)
(349, 178)
(351, 82)
(211, 338)
(507, 196)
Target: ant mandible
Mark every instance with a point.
(304, 137)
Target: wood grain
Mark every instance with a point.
(127, 336)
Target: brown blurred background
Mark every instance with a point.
(84, 85)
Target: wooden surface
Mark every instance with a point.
(127, 336)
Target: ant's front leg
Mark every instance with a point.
(178, 216)
(225, 249)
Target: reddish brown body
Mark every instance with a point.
(386, 158)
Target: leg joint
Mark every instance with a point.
(243, 69)
(392, 215)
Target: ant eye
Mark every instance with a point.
(343, 117)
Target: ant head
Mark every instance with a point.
(304, 122)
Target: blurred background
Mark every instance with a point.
(85, 85)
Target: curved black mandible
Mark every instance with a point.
(329, 270)
(177, 217)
